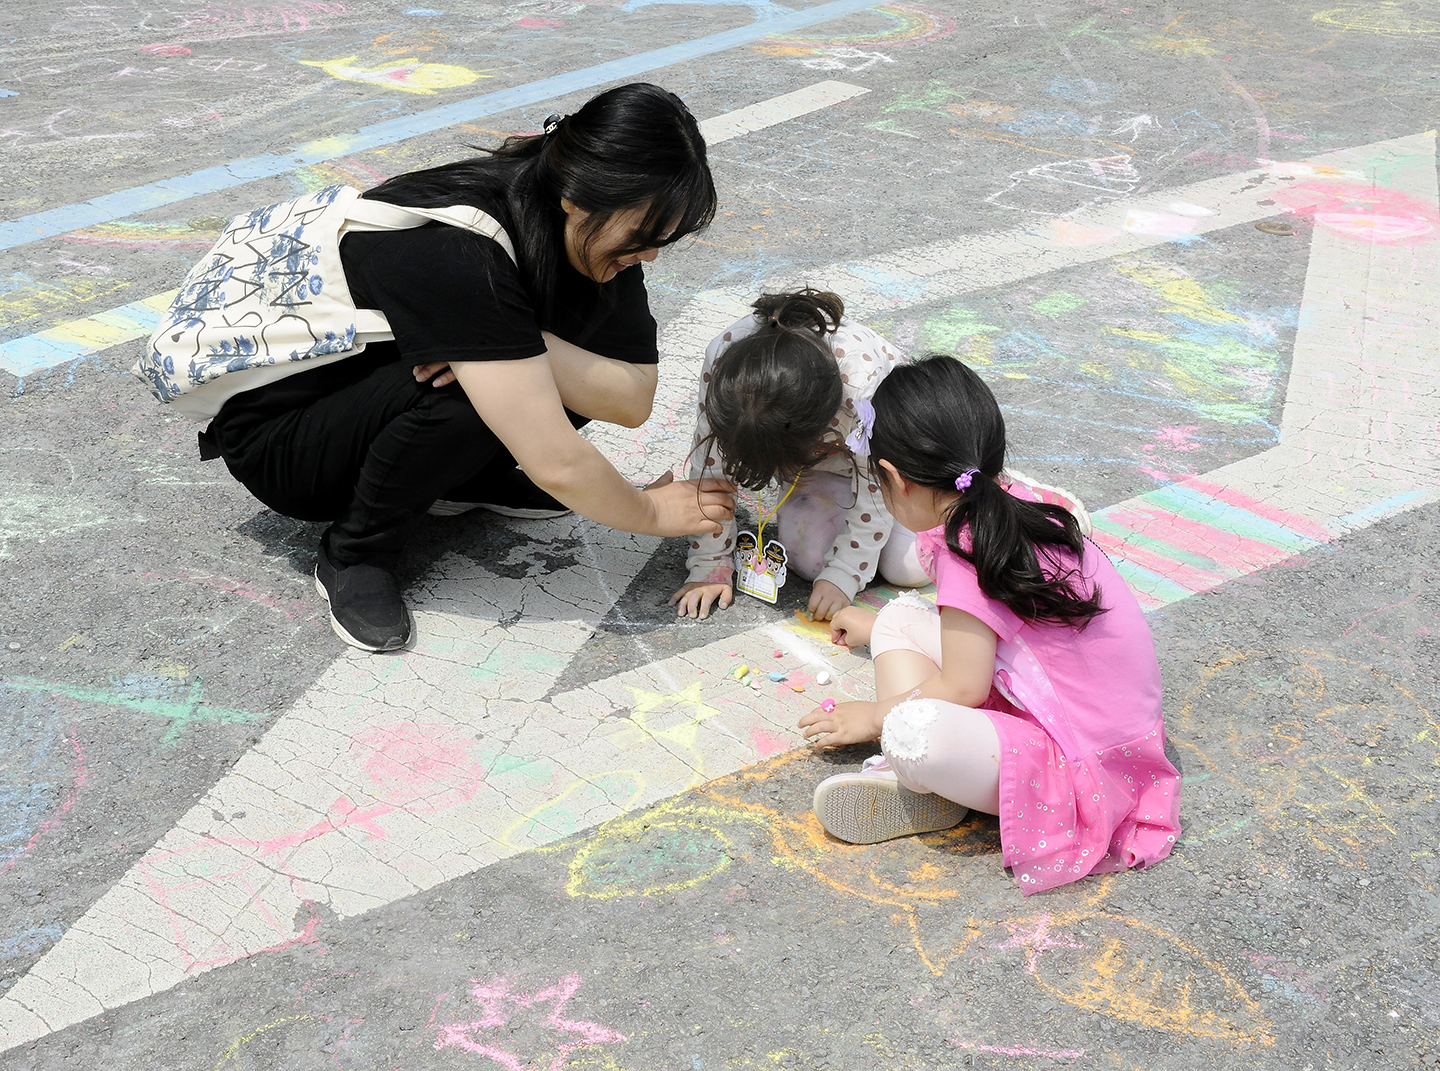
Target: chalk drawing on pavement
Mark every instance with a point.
(407, 75)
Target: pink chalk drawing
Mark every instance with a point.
(1035, 939)
(1368, 212)
(1181, 438)
(1193, 535)
(1068, 232)
(243, 589)
(79, 777)
(767, 744)
(224, 22)
(533, 22)
(418, 767)
(409, 767)
(506, 1010)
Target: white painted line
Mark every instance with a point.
(777, 110)
(1360, 428)
(393, 774)
(77, 339)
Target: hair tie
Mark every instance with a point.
(552, 123)
(963, 481)
(858, 441)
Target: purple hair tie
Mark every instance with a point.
(963, 481)
(859, 440)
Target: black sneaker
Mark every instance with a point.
(366, 610)
(511, 495)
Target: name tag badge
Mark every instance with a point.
(759, 575)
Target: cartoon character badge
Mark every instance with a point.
(759, 573)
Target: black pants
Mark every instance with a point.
(360, 444)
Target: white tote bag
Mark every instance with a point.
(270, 298)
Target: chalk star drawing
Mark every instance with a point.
(1357, 443)
(504, 1006)
(684, 733)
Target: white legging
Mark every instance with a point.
(932, 746)
(813, 518)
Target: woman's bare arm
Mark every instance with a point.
(600, 388)
(520, 402)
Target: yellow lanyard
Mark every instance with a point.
(767, 517)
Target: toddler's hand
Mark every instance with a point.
(847, 723)
(852, 627)
(694, 600)
(826, 600)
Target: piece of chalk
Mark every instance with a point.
(755, 683)
(828, 706)
(822, 677)
(777, 677)
(739, 671)
(797, 687)
(747, 680)
(779, 654)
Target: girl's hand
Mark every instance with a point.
(425, 371)
(826, 600)
(694, 600)
(852, 627)
(847, 723)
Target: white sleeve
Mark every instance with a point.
(864, 359)
(710, 558)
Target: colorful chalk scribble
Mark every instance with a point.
(407, 75)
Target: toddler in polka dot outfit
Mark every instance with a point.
(1030, 690)
(778, 401)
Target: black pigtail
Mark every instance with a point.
(936, 421)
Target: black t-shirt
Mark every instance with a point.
(453, 295)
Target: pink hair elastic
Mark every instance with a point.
(828, 706)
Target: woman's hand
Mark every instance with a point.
(426, 371)
(691, 507)
(694, 600)
(852, 627)
(826, 600)
(846, 723)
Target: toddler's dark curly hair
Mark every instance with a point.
(773, 394)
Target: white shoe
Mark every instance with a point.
(872, 805)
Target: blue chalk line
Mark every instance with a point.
(122, 203)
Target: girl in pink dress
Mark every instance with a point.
(1030, 691)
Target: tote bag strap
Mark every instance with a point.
(379, 216)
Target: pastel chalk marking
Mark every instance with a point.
(140, 937)
(77, 339)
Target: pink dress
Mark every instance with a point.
(1085, 787)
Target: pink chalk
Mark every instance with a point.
(779, 654)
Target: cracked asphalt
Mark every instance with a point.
(578, 844)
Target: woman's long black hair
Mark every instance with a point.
(634, 146)
(934, 421)
(775, 392)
